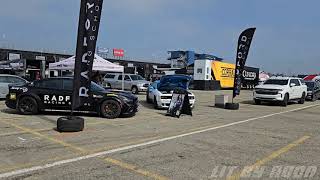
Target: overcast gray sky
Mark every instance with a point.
(287, 37)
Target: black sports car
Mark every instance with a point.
(56, 93)
(313, 90)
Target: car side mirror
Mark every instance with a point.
(292, 84)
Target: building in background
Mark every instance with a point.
(33, 63)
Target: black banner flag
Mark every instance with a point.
(89, 22)
(244, 43)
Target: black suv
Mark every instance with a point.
(56, 94)
(313, 90)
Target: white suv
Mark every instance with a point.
(281, 89)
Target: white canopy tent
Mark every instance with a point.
(99, 64)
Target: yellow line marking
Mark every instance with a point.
(78, 149)
(46, 137)
(272, 156)
(135, 169)
(23, 132)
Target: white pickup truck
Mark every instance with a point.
(281, 89)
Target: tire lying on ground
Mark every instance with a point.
(232, 106)
(70, 124)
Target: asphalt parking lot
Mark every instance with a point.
(151, 145)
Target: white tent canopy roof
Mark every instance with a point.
(99, 64)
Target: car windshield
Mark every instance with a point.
(310, 85)
(136, 77)
(172, 82)
(277, 81)
(96, 88)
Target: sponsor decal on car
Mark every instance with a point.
(53, 99)
(23, 89)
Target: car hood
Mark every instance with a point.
(270, 86)
(120, 94)
(142, 82)
(172, 82)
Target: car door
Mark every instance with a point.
(118, 82)
(297, 93)
(51, 93)
(127, 82)
(292, 90)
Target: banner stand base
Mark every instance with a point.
(232, 106)
(70, 124)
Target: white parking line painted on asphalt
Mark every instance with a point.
(58, 163)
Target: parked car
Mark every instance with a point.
(134, 83)
(5, 80)
(313, 90)
(281, 89)
(160, 92)
(56, 93)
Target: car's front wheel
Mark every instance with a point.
(257, 101)
(27, 106)
(110, 109)
(303, 98)
(134, 90)
(285, 101)
(155, 103)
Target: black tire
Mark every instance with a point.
(155, 103)
(232, 106)
(110, 109)
(70, 124)
(285, 101)
(302, 99)
(134, 90)
(257, 101)
(314, 98)
(147, 98)
(27, 106)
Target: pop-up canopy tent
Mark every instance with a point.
(312, 78)
(99, 64)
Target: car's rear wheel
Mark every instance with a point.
(110, 109)
(314, 98)
(285, 101)
(303, 98)
(27, 106)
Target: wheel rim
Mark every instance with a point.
(134, 90)
(26, 106)
(111, 109)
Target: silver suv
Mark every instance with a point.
(134, 83)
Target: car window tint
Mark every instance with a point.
(49, 84)
(296, 81)
(127, 78)
(68, 84)
(15, 80)
(3, 79)
(110, 76)
(120, 77)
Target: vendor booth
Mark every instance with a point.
(99, 64)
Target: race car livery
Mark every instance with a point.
(56, 94)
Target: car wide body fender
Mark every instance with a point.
(33, 95)
(114, 97)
